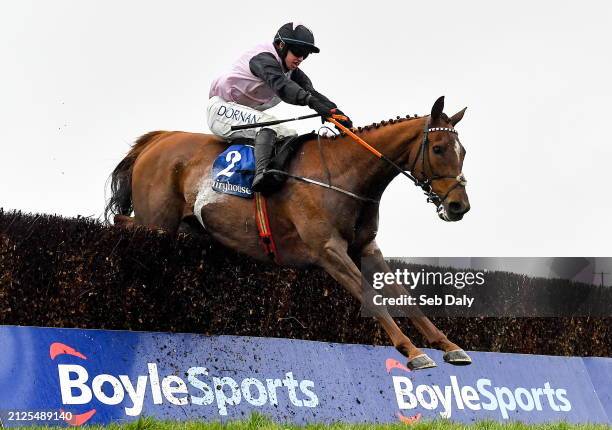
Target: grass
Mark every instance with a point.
(260, 422)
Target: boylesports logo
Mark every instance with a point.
(486, 396)
(78, 387)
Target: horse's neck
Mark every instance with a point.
(356, 168)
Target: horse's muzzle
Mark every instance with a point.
(453, 210)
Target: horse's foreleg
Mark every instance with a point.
(338, 264)
(435, 337)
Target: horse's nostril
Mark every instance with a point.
(455, 207)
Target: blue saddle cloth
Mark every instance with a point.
(233, 171)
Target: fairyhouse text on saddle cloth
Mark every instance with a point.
(407, 289)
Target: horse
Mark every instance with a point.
(165, 172)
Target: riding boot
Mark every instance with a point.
(264, 146)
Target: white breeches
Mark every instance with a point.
(222, 115)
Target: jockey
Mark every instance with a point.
(260, 79)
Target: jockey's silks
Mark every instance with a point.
(241, 86)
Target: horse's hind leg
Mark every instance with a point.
(161, 210)
(434, 336)
(338, 264)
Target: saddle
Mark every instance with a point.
(283, 151)
(234, 169)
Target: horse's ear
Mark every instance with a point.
(437, 108)
(457, 117)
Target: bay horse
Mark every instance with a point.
(166, 171)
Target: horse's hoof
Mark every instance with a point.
(457, 357)
(421, 362)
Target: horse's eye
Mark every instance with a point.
(438, 150)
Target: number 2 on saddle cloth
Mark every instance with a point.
(233, 171)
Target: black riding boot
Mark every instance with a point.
(264, 146)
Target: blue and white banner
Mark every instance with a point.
(71, 377)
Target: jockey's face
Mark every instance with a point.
(292, 61)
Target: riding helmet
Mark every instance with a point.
(296, 36)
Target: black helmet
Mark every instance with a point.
(298, 36)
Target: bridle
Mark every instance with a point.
(426, 184)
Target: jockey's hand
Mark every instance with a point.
(321, 107)
(345, 122)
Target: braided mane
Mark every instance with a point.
(382, 123)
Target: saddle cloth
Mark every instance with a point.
(234, 169)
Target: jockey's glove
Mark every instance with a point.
(327, 109)
(345, 122)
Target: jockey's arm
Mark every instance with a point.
(324, 104)
(300, 78)
(267, 68)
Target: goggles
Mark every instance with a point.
(299, 51)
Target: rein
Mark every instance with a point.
(427, 182)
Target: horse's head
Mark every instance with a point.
(439, 161)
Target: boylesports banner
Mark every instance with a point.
(72, 377)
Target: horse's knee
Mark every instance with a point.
(334, 248)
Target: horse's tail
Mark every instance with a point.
(120, 202)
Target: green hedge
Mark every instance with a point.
(62, 272)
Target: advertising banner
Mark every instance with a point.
(72, 377)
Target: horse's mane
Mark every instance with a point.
(385, 123)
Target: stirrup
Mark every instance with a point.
(265, 183)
